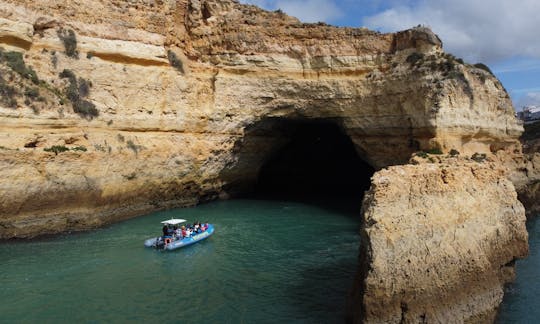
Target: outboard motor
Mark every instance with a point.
(160, 244)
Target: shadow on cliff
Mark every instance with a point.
(321, 293)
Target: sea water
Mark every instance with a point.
(268, 262)
(521, 302)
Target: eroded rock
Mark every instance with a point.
(438, 243)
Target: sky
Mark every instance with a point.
(504, 34)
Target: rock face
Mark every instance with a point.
(525, 174)
(188, 93)
(111, 109)
(526, 169)
(438, 243)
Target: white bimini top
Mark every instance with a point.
(173, 221)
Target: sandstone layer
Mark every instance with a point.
(438, 243)
(186, 92)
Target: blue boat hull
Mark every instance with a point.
(153, 242)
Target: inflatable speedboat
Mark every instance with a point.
(174, 242)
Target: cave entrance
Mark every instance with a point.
(301, 160)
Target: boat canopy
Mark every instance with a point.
(173, 221)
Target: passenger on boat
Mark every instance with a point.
(177, 232)
(185, 231)
(165, 230)
(203, 227)
(167, 234)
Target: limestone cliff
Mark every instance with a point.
(526, 169)
(438, 243)
(111, 109)
(179, 86)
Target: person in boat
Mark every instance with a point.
(167, 234)
(177, 232)
(185, 231)
(196, 227)
(165, 230)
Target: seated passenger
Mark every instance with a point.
(188, 232)
(164, 229)
(177, 232)
(167, 235)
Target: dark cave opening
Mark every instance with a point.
(316, 162)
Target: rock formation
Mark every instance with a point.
(525, 169)
(439, 242)
(113, 109)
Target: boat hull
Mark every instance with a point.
(154, 242)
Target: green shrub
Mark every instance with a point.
(175, 61)
(76, 91)
(15, 61)
(414, 57)
(434, 151)
(478, 157)
(32, 93)
(85, 108)
(70, 42)
(68, 74)
(100, 147)
(483, 67)
(454, 152)
(422, 154)
(448, 65)
(134, 147)
(80, 148)
(56, 149)
(54, 60)
(84, 87)
(7, 94)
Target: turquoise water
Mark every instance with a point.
(521, 300)
(268, 262)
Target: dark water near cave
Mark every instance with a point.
(521, 302)
(268, 262)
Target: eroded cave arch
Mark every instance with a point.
(299, 159)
